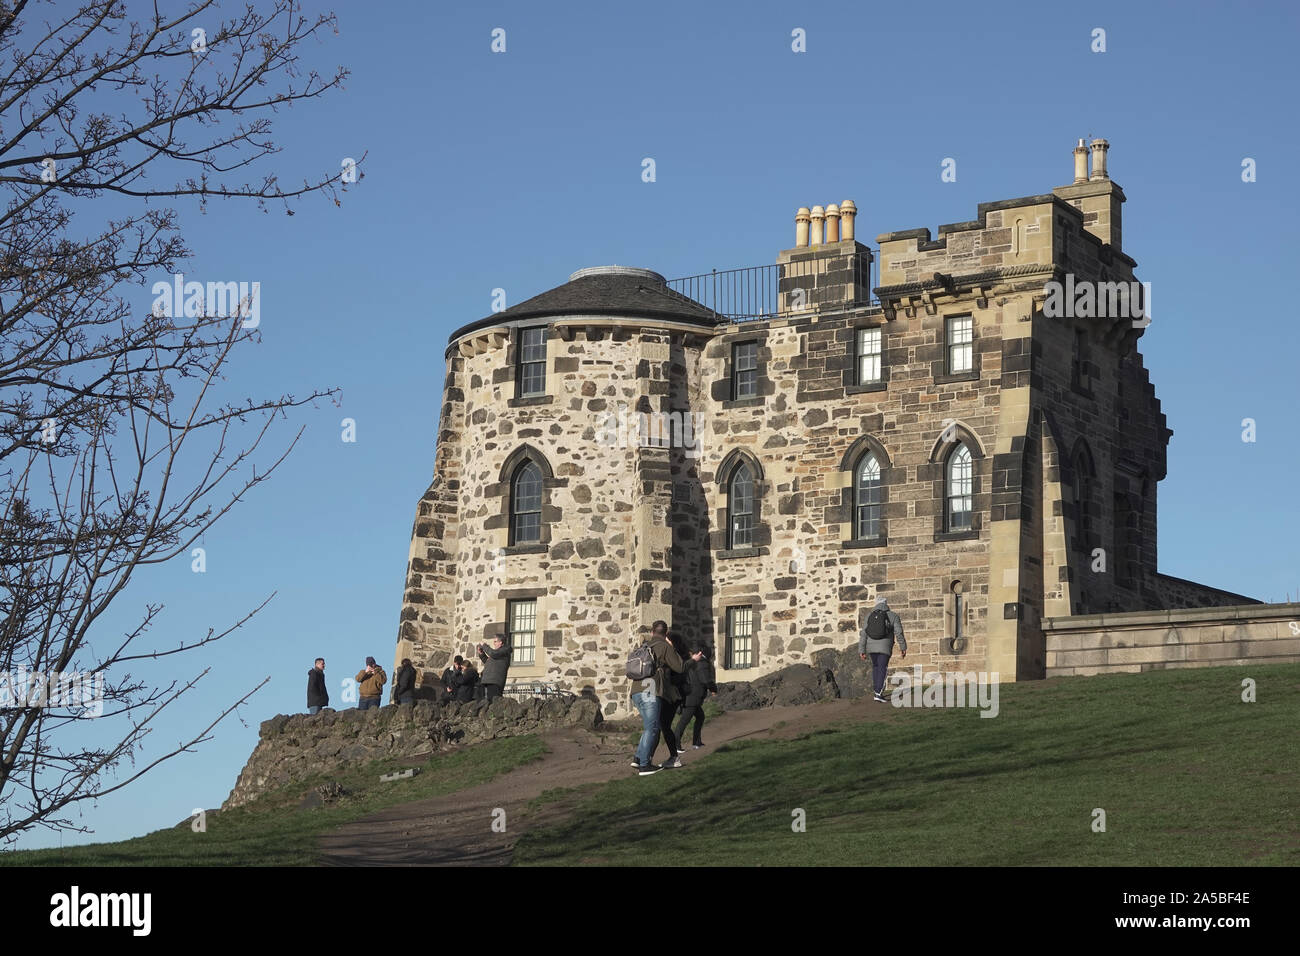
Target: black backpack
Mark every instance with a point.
(879, 627)
(641, 664)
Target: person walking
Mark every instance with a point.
(317, 695)
(371, 682)
(700, 682)
(655, 698)
(496, 665)
(881, 630)
(404, 683)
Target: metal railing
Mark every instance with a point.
(753, 293)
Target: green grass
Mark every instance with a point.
(1187, 773)
(272, 831)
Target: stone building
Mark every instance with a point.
(755, 456)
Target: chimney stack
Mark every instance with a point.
(847, 211)
(801, 227)
(1081, 163)
(1099, 147)
(817, 236)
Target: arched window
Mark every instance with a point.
(740, 508)
(866, 499)
(526, 504)
(961, 485)
(1082, 496)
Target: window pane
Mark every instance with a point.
(740, 637)
(867, 493)
(526, 504)
(522, 617)
(740, 505)
(961, 334)
(868, 356)
(961, 485)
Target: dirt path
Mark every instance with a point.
(456, 830)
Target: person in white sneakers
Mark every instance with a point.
(882, 628)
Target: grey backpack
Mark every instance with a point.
(641, 665)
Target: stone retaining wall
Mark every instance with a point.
(1193, 637)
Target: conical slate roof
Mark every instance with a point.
(606, 290)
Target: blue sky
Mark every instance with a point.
(512, 170)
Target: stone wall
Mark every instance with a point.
(292, 748)
(1153, 640)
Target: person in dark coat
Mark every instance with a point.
(448, 684)
(700, 682)
(679, 680)
(466, 682)
(496, 664)
(404, 683)
(317, 695)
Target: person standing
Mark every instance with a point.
(466, 682)
(882, 628)
(700, 682)
(370, 685)
(654, 697)
(449, 676)
(496, 665)
(317, 695)
(404, 683)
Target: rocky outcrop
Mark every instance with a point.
(832, 674)
(296, 747)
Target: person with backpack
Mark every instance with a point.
(701, 682)
(883, 627)
(650, 668)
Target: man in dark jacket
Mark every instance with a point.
(496, 664)
(317, 695)
(466, 681)
(448, 691)
(404, 683)
(654, 698)
(700, 682)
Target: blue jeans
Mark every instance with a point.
(314, 709)
(648, 704)
(366, 703)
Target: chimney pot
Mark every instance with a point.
(801, 227)
(1081, 163)
(1099, 148)
(817, 232)
(832, 223)
(847, 211)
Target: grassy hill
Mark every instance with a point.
(1187, 774)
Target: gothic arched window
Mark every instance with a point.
(526, 504)
(960, 488)
(740, 508)
(866, 499)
